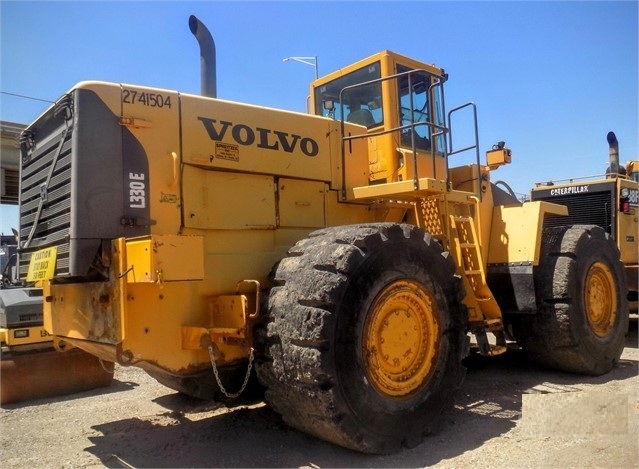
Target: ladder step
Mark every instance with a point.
(472, 272)
(471, 257)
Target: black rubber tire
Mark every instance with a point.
(560, 335)
(314, 371)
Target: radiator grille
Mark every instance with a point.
(45, 187)
(583, 209)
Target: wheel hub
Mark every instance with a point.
(401, 338)
(600, 299)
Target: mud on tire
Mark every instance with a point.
(582, 309)
(346, 302)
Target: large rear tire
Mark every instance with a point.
(366, 334)
(582, 316)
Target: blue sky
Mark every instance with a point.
(549, 78)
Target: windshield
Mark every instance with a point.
(415, 108)
(361, 105)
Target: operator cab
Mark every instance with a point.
(400, 102)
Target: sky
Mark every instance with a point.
(548, 78)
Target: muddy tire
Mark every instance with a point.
(365, 336)
(582, 310)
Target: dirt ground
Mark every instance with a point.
(508, 414)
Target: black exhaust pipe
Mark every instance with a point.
(207, 57)
(613, 151)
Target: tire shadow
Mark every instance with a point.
(488, 405)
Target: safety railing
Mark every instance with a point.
(475, 146)
(436, 129)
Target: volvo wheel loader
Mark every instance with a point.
(346, 263)
(609, 200)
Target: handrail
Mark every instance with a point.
(437, 130)
(596, 177)
(475, 146)
(441, 128)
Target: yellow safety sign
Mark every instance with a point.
(42, 265)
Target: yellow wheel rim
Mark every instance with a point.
(600, 299)
(401, 338)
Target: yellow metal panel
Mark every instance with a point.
(155, 316)
(356, 159)
(165, 258)
(194, 338)
(240, 254)
(83, 311)
(241, 137)
(516, 231)
(223, 200)
(628, 223)
(24, 336)
(228, 311)
(301, 203)
(152, 117)
(172, 325)
(403, 190)
(424, 166)
(465, 178)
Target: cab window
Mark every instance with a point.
(360, 105)
(414, 87)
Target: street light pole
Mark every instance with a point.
(312, 61)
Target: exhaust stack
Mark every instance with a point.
(208, 78)
(613, 150)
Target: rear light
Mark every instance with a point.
(624, 205)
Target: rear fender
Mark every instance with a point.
(515, 246)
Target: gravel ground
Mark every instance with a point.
(508, 414)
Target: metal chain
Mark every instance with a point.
(105, 368)
(217, 376)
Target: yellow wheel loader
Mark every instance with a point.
(345, 262)
(610, 200)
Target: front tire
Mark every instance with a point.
(582, 316)
(366, 334)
